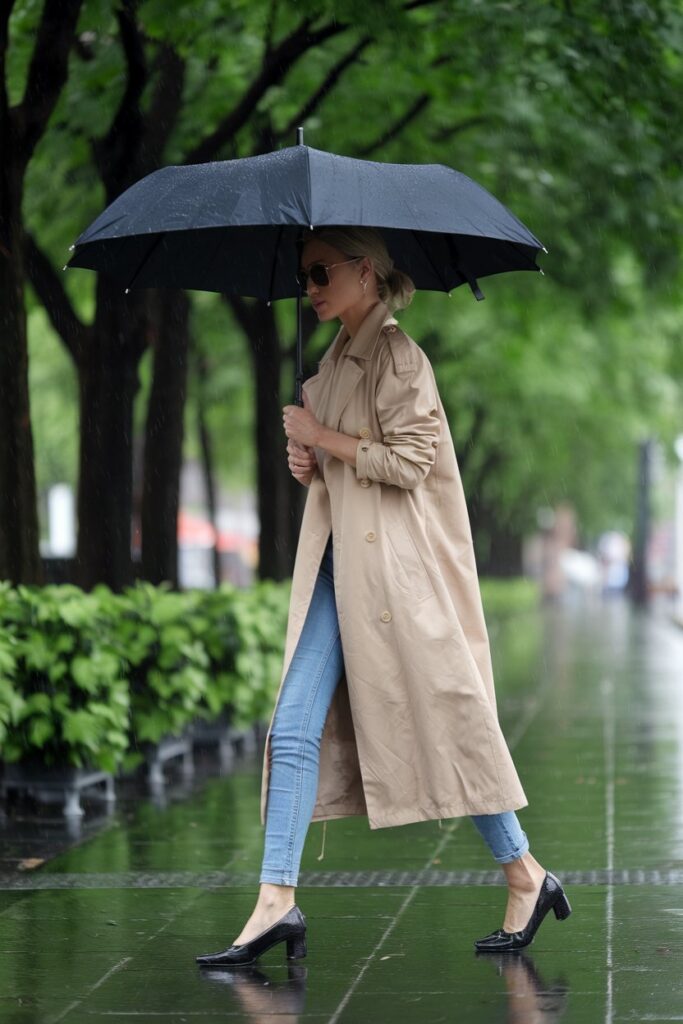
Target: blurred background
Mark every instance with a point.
(141, 435)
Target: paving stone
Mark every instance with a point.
(589, 698)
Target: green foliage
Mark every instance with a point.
(63, 691)
(567, 112)
(503, 598)
(85, 679)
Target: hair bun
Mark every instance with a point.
(401, 289)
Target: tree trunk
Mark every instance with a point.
(638, 582)
(207, 459)
(19, 551)
(271, 447)
(164, 441)
(504, 550)
(108, 385)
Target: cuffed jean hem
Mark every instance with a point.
(513, 856)
(272, 878)
(503, 835)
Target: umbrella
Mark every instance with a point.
(235, 226)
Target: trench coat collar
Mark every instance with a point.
(363, 344)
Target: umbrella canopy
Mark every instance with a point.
(231, 226)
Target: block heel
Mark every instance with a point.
(562, 908)
(296, 948)
(551, 897)
(290, 929)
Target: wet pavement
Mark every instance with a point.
(590, 700)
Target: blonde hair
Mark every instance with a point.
(394, 287)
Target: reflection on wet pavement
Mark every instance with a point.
(589, 699)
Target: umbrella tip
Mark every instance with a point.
(71, 248)
(544, 250)
(126, 291)
(65, 267)
(540, 270)
(268, 303)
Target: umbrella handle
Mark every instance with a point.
(298, 393)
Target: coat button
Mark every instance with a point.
(371, 535)
(385, 616)
(391, 328)
(363, 447)
(364, 432)
(365, 482)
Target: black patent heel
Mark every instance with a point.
(291, 928)
(296, 948)
(551, 897)
(562, 908)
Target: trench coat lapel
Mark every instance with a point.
(328, 403)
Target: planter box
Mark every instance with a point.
(244, 740)
(58, 785)
(168, 749)
(217, 733)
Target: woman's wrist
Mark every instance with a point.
(323, 432)
(341, 446)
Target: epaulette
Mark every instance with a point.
(402, 348)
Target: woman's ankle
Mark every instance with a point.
(271, 895)
(524, 873)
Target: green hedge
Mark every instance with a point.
(504, 597)
(85, 678)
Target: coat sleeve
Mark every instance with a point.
(407, 409)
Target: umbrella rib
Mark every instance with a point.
(519, 251)
(156, 241)
(430, 261)
(276, 249)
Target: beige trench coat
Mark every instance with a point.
(412, 732)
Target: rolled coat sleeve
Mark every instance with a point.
(407, 409)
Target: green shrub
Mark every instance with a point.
(503, 597)
(86, 678)
(64, 696)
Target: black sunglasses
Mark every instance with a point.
(318, 273)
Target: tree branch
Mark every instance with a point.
(447, 133)
(395, 129)
(113, 151)
(166, 103)
(270, 29)
(331, 79)
(274, 69)
(48, 70)
(50, 290)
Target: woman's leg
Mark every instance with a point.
(509, 845)
(307, 691)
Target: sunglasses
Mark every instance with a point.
(318, 273)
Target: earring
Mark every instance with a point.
(365, 285)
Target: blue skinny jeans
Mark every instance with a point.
(307, 691)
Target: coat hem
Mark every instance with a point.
(458, 810)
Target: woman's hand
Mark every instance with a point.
(300, 424)
(302, 462)
(301, 457)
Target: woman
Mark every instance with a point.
(386, 705)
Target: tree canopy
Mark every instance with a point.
(565, 111)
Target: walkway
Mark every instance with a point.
(590, 700)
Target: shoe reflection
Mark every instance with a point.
(260, 994)
(529, 999)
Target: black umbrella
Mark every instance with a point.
(234, 226)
